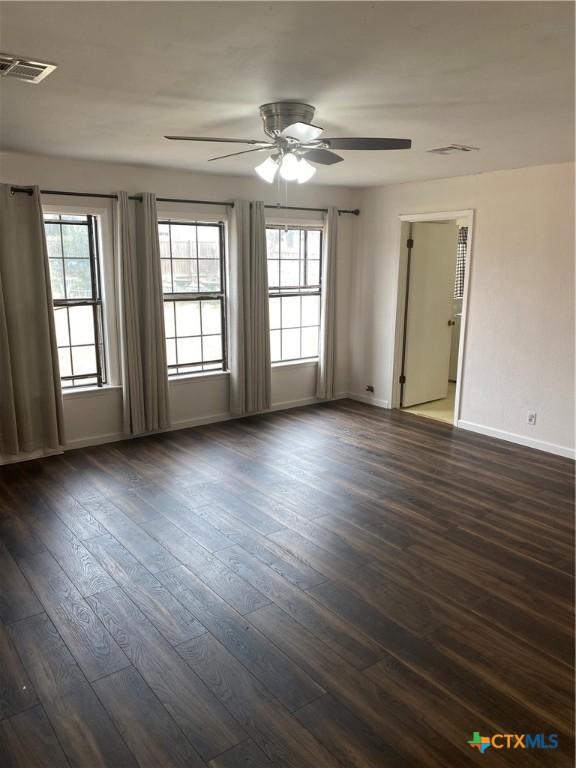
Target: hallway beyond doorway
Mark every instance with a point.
(441, 410)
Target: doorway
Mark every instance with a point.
(432, 298)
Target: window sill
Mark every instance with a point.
(89, 391)
(309, 362)
(198, 376)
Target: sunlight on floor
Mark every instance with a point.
(441, 410)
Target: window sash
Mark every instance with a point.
(95, 301)
(198, 296)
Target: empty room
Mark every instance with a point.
(286, 384)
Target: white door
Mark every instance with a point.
(429, 314)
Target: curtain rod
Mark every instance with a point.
(227, 203)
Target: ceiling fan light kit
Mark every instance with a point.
(293, 141)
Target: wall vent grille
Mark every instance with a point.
(452, 149)
(22, 68)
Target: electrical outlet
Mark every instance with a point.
(369, 388)
(531, 419)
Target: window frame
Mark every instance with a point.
(299, 291)
(199, 296)
(59, 216)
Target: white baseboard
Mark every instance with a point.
(369, 399)
(199, 421)
(286, 404)
(511, 437)
(86, 442)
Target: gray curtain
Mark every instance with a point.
(248, 326)
(31, 418)
(325, 382)
(141, 313)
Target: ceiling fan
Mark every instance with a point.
(294, 143)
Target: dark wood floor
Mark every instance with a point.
(330, 586)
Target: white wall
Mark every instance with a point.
(520, 326)
(519, 351)
(96, 416)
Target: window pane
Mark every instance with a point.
(310, 342)
(290, 244)
(166, 275)
(208, 243)
(289, 274)
(313, 267)
(313, 244)
(53, 240)
(169, 326)
(78, 278)
(310, 310)
(189, 351)
(208, 275)
(187, 318)
(183, 241)
(211, 317)
(61, 323)
(170, 352)
(273, 273)
(273, 243)
(81, 325)
(164, 237)
(75, 238)
(291, 312)
(275, 355)
(274, 310)
(83, 360)
(57, 278)
(291, 344)
(185, 276)
(64, 360)
(211, 347)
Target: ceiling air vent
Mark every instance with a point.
(25, 69)
(451, 149)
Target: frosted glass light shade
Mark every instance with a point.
(267, 170)
(305, 171)
(289, 167)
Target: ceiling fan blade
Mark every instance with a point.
(210, 138)
(303, 132)
(371, 143)
(244, 152)
(322, 157)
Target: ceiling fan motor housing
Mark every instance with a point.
(280, 114)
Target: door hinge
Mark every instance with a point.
(402, 379)
(409, 243)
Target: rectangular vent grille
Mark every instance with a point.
(452, 149)
(24, 69)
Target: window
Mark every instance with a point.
(294, 285)
(76, 293)
(192, 258)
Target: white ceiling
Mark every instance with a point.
(495, 75)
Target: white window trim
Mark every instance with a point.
(104, 212)
(303, 222)
(303, 362)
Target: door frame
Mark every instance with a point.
(404, 222)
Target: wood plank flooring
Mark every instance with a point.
(332, 586)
